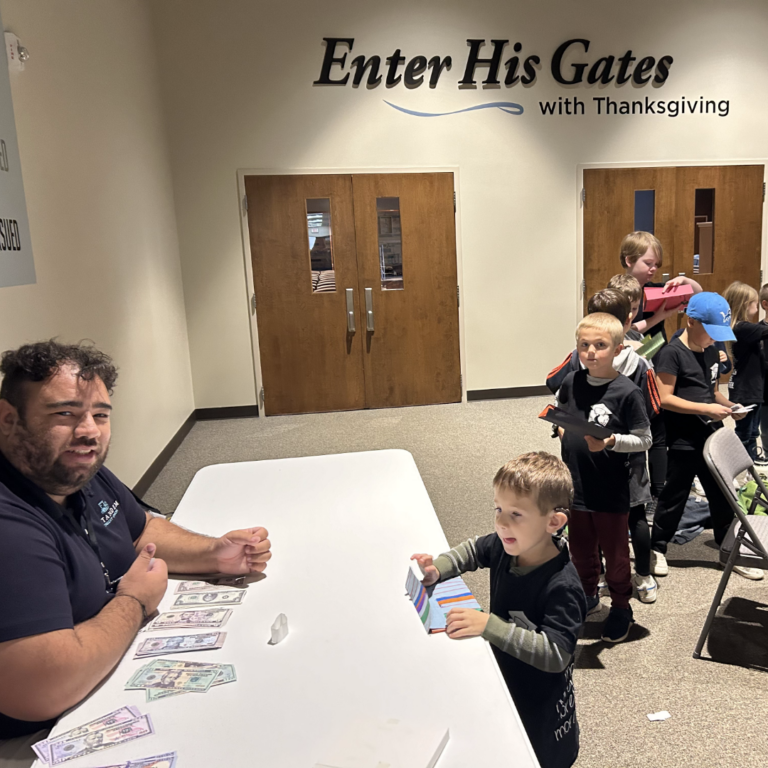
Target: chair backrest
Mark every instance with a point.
(726, 458)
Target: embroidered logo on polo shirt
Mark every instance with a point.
(600, 414)
(108, 513)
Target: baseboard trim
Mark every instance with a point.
(507, 392)
(156, 467)
(199, 414)
(229, 412)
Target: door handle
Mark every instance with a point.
(350, 310)
(369, 309)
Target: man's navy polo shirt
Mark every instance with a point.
(50, 577)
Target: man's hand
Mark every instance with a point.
(146, 579)
(243, 551)
(595, 445)
(465, 622)
(431, 574)
(718, 412)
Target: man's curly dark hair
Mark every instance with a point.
(41, 360)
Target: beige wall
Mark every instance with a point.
(100, 201)
(237, 85)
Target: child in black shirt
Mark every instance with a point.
(537, 603)
(748, 378)
(601, 468)
(687, 371)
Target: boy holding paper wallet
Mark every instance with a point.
(600, 468)
(687, 370)
(537, 603)
(640, 372)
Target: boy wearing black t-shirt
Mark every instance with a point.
(687, 371)
(537, 603)
(600, 468)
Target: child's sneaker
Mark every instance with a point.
(756, 574)
(602, 587)
(617, 627)
(593, 604)
(646, 588)
(659, 565)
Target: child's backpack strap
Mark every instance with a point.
(557, 375)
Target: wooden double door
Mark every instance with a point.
(355, 284)
(708, 220)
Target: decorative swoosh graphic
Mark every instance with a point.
(505, 106)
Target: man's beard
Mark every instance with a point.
(41, 465)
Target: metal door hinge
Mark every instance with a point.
(245, 204)
(583, 195)
(454, 198)
(763, 191)
(261, 396)
(461, 382)
(583, 288)
(253, 303)
(458, 296)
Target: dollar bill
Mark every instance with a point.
(172, 677)
(122, 715)
(226, 674)
(159, 646)
(213, 618)
(185, 587)
(62, 751)
(203, 599)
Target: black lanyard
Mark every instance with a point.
(88, 533)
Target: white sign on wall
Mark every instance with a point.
(16, 264)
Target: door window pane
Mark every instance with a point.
(320, 249)
(390, 243)
(645, 210)
(704, 232)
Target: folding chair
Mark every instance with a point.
(746, 542)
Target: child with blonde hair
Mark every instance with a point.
(641, 256)
(600, 467)
(748, 378)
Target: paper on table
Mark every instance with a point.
(391, 743)
(452, 593)
(567, 421)
(659, 716)
(418, 595)
(674, 297)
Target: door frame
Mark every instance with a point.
(653, 164)
(247, 263)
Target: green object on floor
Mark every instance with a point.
(746, 495)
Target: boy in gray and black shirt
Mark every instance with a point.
(537, 602)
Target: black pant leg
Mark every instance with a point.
(640, 534)
(681, 469)
(722, 514)
(657, 455)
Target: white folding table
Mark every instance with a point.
(342, 529)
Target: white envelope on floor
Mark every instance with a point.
(393, 743)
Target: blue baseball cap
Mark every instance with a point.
(713, 312)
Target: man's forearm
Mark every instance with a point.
(43, 675)
(183, 551)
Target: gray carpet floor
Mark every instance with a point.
(718, 709)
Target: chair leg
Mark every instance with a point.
(719, 594)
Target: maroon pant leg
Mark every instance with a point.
(613, 538)
(582, 543)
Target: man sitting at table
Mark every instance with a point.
(82, 563)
